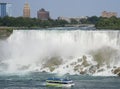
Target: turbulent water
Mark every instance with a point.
(37, 81)
(61, 50)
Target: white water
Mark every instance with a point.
(28, 50)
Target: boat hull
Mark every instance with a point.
(59, 85)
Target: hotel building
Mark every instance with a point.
(5, 9)
(43, 15)
(26, 10)
(108, 14)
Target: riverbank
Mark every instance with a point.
(108, 28)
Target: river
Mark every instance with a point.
(36, 80)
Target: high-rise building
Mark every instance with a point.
(5, 9)
(43, 15)
(108, 14)
(26, 10)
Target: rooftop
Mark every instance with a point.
(4, 3)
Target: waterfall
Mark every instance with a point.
(30, 50)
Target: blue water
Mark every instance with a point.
(37, 81)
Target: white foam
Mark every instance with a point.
(27, 50)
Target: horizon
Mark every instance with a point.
(62, 8)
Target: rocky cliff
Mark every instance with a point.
(5, 32)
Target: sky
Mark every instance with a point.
(66, 8)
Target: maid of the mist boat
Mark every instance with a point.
(59, 82)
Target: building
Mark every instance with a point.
(5, 9)
(26, 10)
(108, 14)
(43, 15)
(64, 18)
(75, 18)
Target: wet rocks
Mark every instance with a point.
(52, 63)
(116, 71)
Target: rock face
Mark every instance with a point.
(116, 71)
(5, 33)
(52, 63)
(81, 65)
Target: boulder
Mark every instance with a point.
(116, 71)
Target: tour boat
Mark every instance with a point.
(59, 82)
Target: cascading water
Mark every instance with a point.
(57, 51)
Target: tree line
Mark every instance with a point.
(100, 22)
(30, 22)
(108, 23)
